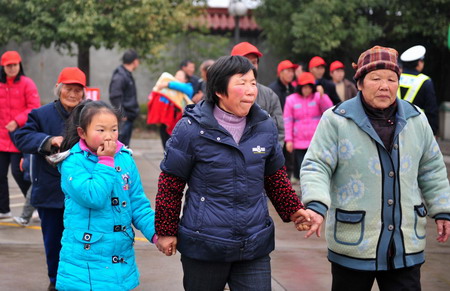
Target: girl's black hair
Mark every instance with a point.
(298, 89)
(3, 74)
(81, 116)
(219, 74)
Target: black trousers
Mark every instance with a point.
(404, 279)
(7, 158)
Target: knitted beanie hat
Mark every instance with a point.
(376, 58)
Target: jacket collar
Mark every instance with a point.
(353, 109)
(203, 114)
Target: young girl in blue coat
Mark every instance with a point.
(104, 197)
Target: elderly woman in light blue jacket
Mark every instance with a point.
(374, 166)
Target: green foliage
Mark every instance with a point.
(144, 24)
(196, 46)
(312, 27)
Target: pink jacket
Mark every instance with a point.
(16, 101)
(301, 117)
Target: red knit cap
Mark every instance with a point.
(11, 57)
(376, 58)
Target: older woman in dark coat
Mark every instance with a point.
(41, 136)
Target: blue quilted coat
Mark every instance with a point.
(101, 204)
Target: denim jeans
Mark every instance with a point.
(212, 276)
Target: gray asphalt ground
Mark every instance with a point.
(297, 263)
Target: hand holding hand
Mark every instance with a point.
(108, 148)
(301, 219)
(315, 223)
(443, 229)
(167, 245)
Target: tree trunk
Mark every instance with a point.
(84, 61)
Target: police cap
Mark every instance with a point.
(414, 53)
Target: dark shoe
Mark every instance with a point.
(51, 287)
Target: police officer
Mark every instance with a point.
(416, 87)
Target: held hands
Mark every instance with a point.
(443, 229)
(167, 245)
(304, 220)
(312, 225)
(108, 148)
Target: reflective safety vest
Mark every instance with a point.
(413, 83)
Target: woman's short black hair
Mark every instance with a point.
(221, 71)
(298, 89)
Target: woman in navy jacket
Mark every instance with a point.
(41, 136)
(226, 149)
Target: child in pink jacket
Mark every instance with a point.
(302, 113)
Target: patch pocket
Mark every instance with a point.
(87, 245)
(349, 227)
(420, 213)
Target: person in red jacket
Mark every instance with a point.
(18, 96)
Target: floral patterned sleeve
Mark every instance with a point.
(283, 197)
(168, 204)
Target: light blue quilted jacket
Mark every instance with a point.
(101, 205)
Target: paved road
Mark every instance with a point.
(297, 264)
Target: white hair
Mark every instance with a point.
(58, 88)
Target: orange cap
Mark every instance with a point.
(306, 78)
(336, 65)
(11, 57)
(72, 75)
(316, 61)
(245, 48)
(286, 64)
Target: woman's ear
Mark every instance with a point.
(81, 133)
(220, 95)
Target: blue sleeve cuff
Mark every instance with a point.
(318, 207)
(442, 216)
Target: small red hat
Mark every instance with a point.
(11, 57)
(72, 75)
(336, 65)
(316, 61)
(286, 64)
(245, 48)
(306, 78)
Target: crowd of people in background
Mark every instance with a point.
(362, 151)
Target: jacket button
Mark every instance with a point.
(390, 227)
(342, 111)
(124, 204)
(87, 236)
(391, 174)
(118, 169)
(202, 199)
(87, 247)
(218, 138)
(390, 202)
(202, 132)
(395, 146)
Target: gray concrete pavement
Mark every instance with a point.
(297, 263)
